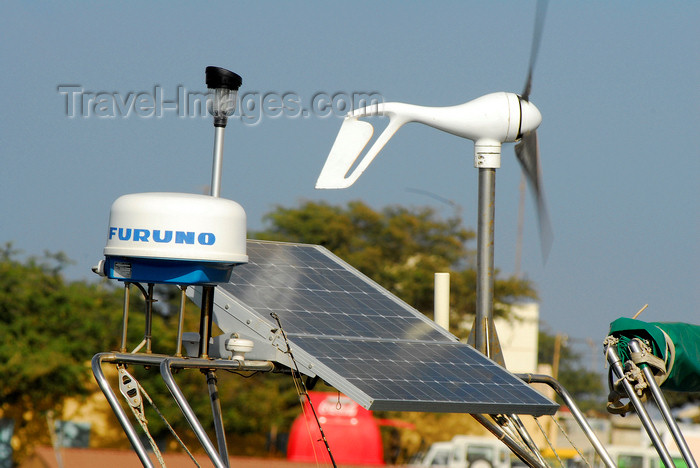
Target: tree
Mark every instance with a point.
(49, 329)
(399, 248)
(680, 399)
(585, 386)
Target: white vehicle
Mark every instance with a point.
(468, 452)
(638, 457)
(486, 452)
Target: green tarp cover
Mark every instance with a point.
(678, 344)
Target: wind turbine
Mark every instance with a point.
(489, 121)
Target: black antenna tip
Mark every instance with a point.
(218, 77)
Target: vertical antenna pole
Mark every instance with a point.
(205, 320)
(484, 261)
(180, 320)
(149, 318)
(125, 317)
(215, 189)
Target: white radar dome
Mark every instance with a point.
(173, 232)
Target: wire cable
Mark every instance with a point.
(303, 387)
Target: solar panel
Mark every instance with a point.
(361, 339)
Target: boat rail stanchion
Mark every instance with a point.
(525, 436)
(217, 415)
(117, 408)
(521, 452)
(616, 365)
(189, 414)
(661, 403)
(575, 412)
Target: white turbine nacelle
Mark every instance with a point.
(489, 121)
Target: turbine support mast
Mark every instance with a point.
(485, 258)
(487, 158)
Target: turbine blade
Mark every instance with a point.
(528, 154)
(540, 14)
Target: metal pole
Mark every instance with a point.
(525, 436)
(575, 412)
(216, 413)
(205, 320)
(125, 317)
(166, 363)
(521, 452)
(484, 260)
(218, 161)
(189, 414)
(616, 364)
(153, 360)
(118, 410)
(664, 408)
(149, 317)
(180, 320)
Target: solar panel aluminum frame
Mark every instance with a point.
(232, 317)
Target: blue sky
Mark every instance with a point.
(618, 85)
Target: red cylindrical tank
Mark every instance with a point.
(352, 432)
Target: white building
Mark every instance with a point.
(518, 336)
